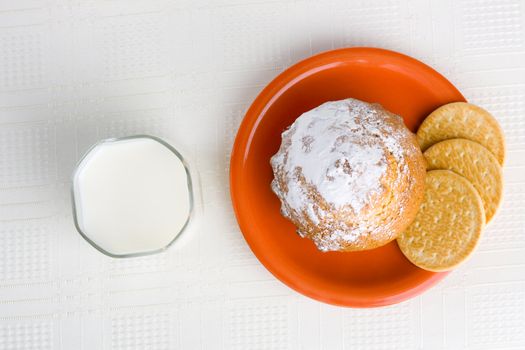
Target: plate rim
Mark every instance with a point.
(243, 138)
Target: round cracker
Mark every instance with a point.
(448, 224)
(465, 121)
(475, 163)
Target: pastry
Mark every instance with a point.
(349, 175)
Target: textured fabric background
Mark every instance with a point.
(72, 72)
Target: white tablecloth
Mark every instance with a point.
(73, 72)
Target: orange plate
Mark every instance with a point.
(371, 278)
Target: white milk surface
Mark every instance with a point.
(131, 196)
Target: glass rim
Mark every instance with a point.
(189, 184)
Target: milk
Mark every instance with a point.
(131, 196)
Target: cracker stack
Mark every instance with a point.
(465, 149)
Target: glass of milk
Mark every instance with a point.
(133, 196)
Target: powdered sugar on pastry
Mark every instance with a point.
(336, 162)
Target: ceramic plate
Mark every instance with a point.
(370, 278)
